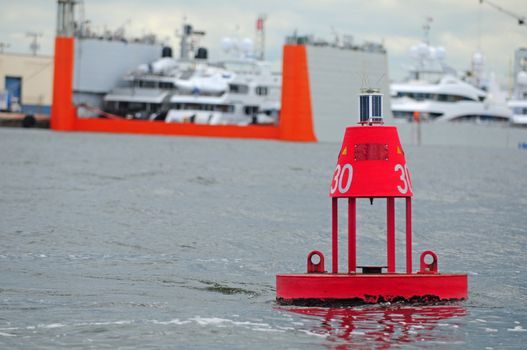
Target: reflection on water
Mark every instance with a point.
(384, 327)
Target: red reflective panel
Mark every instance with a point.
(371, 151)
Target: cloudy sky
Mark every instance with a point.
(461, 26)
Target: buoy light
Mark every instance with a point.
(370, 107)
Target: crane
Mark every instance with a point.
(3, 45)
(35, 46)
(521, 19)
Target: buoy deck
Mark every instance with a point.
(328, 288)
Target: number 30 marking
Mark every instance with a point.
(405, 178)
(338, 178)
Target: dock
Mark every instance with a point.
(21, 120)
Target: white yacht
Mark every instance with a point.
(433, 92)
(140, 95)
(193, 90)
(518, 102)
(449, 99)
(240, 92)
(519, 112)
(142, 92)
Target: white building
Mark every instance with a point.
(26, 83)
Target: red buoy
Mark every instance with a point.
(371, 164)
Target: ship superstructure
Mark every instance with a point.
(192, 89)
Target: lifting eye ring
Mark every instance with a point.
(315, 267)
(428, 267)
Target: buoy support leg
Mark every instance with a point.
(352, 235)
(334, 235)
(390, 209)
(408, 235)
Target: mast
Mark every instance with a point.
(186, 42)
(260, 36)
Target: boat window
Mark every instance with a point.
(433, 115)
(250, 110)
(422, 96)
(192, 106)
(238, 88)
(465, 118)
(225, 108)
(209, 107)
(418, 96)
(147, 84)
(457, 98)
(262, 90)
(110, 106)
(520, 110)
(166, 85)
(481, 118)
(154, 107)
(408, 115)
(402, 115)
(136, 106)
(464, 98)
(493, 118)
(441, 97)
(451, 98)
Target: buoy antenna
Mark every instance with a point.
(365, 80)
(380, 79)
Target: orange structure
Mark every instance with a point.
(296, 117)
(296, 120)
(63, 114)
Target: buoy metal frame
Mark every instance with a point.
(371, 164)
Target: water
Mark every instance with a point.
(116, 241)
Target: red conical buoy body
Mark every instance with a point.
(371, 164)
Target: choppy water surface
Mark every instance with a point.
(161, 242)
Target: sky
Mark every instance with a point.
(460, 26)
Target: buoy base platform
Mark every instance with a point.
(329, 289)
